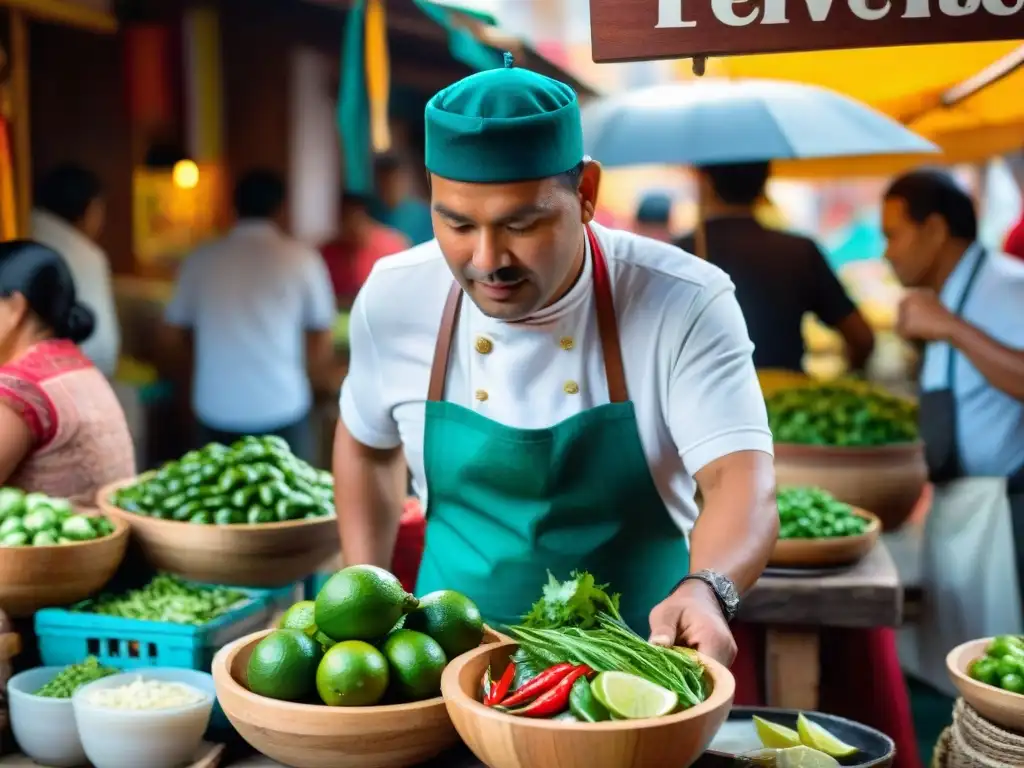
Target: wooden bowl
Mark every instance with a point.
(507, 741)
(838, 550)
(261, 556)
(318, 736)
(887, 480)
(44, 577)
(994, 704)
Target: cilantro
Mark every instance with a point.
(574, 603)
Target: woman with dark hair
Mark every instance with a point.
(62, 430)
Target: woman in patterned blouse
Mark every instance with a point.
(62, 430)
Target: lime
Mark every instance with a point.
(283, 665)
(300, 616)
(451, 619)
(632, 698)
(775, 736)
(361, 602)
(352, 674)
(417, 661)
(804, 757)
(814, 736)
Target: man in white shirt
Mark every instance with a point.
(255, 311)
(563, 417)
(963, 305)
(68, 217)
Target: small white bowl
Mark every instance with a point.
(43, 727)
(158, 738)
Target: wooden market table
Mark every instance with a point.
(794, 610)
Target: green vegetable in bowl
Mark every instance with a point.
(811, 513)
(1002, 666)
(73, 677)
(37, 520)
(167, 598)
(254, 481)
(845, 414)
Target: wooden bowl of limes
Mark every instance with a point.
(36, 577)
(320, 736)
(501, 740)
(262, 555)
(1002, 707)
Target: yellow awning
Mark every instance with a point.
(69, 12)
(903, 82)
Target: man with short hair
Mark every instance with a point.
(779, 276)
(69, 216)
(255, 312)
(654, 216)
(558, 389)
(963, 305)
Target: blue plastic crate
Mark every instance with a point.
(66, 637)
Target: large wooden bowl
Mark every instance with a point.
(818, 553)
(317, 736)
(264, 555)
(1001, 707)
(507, 741)
(44, 577)
(887, 480)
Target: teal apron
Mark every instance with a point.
(505, 506)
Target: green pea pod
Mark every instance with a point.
(271, 472)
(277, 443)
(211, 471)
(272, 492)
(185, 511)
(230, 479)
(201, 518)
(215, 451)
(260, 514)
(251, 473)
(250, 453)
(584, 705)
(286, 510)
(304, 500)
(243, 498)
(175, 485)
(187, 468)
(171, 503)
(228, 517)
(214, 502)
(160, 490)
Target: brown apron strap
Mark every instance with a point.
(443, 346)
(606, 324)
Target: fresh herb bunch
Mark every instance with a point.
(573, 603)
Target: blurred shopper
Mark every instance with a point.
(399, 204)
(653, 217)
(779, 276)
(963, 305)
(361, 242)
(62, 430)
(1014, 245)
(253, 315)
(69, 217)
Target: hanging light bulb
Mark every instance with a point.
(185, 174)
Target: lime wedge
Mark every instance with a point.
(804, 757)
(631, 697)
(775, 736)
(814, 736)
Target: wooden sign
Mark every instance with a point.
(631, 30)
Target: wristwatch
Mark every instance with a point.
(723, 588)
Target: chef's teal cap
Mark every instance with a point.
(503, 125)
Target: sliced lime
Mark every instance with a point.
(775, 736)
(793, 757)
(814, 736)
(633, 698)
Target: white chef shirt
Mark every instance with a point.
(90, 269)
(685, 349)
(990, 423)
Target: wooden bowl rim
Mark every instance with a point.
(156, 522)
(221, 671)
(962, 680)
(722, 693)
(799, 450)
(121, 529)
(873, 529)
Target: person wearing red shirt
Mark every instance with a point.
(361, 242)
(1015, 240)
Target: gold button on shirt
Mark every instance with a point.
(571, 388)
(566, 343)
(481, 395)
(484, 345)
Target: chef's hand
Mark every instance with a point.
(691, 616)
(922, 317)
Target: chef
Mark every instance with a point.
(558, 389)
(963, 306)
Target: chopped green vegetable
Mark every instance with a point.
(73, 677)
(573, 603)
(812, 513)
(167, 598)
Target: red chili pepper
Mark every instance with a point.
(487, 684)
(500, 688)
(555, 700)
(542, 683)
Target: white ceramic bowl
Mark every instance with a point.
(44, 728)
(159, 738)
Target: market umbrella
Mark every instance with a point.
(713, 121)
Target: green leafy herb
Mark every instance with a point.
(574, 603)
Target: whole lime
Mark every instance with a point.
(417, 661)
(352, 674)
(300, 616)
(283, 665)
(361, 602)
(450, 618)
